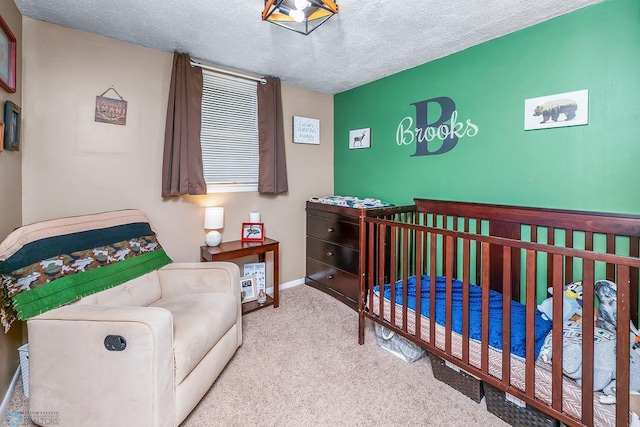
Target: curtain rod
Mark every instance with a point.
(231, 73)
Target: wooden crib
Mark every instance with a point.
(518, 252)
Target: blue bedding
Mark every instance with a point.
(518, 313)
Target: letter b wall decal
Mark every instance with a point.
(425, 131)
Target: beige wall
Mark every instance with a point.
(10, 198)
(73, 165)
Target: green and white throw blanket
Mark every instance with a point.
(52, 263)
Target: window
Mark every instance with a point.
(229, 133)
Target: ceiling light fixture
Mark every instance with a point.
(301, 16)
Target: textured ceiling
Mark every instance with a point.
(366, 41)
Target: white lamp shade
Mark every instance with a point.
(214, 218)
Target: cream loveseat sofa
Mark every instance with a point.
(140, 353)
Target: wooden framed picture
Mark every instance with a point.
(252, 232)
(248, 290)
(7, 57)
(11, 126)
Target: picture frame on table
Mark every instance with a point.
(248, 291)
(11, 126)
(252, 232)
(8, 49)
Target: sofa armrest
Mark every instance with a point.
(70, 365)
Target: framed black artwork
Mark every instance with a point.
(11, 126)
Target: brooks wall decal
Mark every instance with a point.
(447, 129)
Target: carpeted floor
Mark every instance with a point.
(301, 365)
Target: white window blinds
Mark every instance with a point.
(229, 133)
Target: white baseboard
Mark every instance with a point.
(287, 285)
(7, 397)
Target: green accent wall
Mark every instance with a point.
(591, 167)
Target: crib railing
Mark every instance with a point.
(394, 249)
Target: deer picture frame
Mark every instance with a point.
(360, 138)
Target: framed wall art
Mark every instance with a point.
(252, 231)
(559, 110)
(360, 138)
(11, 126)
(306, 130)
(7, 57)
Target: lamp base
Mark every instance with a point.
(213, 238)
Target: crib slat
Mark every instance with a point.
(623, 347)
(405, 275)
(477, 247)
(634, 251)
(530, 372)
(380, 263)
(418, 311)
(611, 249)
(393, 272)
(432, 291)
(466, 261)
(486, 285)
(550, 259)
(587, 342)
(506, 315)
(370, 257)
(568, 262)
(377, 257)
(455, 249)
(588, 240)
(556, 357)
(448, 264)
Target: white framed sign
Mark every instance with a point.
(306, 130)
(257, 269)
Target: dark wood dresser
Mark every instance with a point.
(333, 239)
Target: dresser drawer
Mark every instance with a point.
(338, 256)
(328, 275)
(333, 230)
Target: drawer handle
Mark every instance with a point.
(329, 253)
(330, 276)
(330, 230)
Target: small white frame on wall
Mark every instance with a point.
(559, 110)
(360, 138)
(306, 130)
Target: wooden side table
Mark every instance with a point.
(237, 249)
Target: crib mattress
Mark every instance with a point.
(604, 415)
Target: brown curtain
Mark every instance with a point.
(272, 167)
(182, 160)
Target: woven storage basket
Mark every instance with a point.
(466, 384)
(514, 414)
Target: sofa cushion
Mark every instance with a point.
(199, 322)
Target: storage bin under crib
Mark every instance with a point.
(515, 412)
(453, 376)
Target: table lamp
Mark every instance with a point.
(213, 220)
